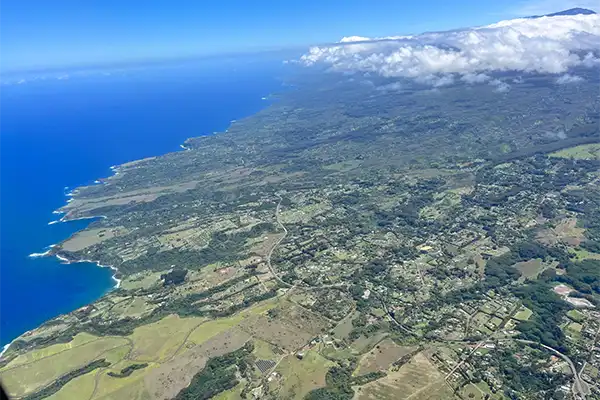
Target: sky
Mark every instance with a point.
(38, 34)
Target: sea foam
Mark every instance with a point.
(37, 255)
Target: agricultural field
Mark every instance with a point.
(479, 391)
(382, 356)
(523, 314)
(161, 340)
(418, 379)
(531, 268)
(27, 377)
(298, 377)
(583, 152)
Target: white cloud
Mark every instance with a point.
(501, 86)
(475, 78)
(568, 78)
(544, 45)
(390, 87)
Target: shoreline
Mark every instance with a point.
(72, 194)
(6, 346)
(115, 269)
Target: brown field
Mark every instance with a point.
(264, 246)
(290, 329)
(167, 380)
(565, 231)
(417, 380)
(277, 332)
(84, 205)
(531, 268)
(382, 357)
(90, 237)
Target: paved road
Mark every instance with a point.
(270, 266)
(579, 386)
(284, 283)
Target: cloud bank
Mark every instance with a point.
(550, 45)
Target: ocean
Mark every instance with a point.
(69, 129)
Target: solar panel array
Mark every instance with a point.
(264, 365)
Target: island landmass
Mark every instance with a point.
(347, 242)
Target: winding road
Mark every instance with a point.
(272, 271)
(284, 283)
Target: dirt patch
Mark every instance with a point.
(579, 302)
(171, 377)
(562, 290)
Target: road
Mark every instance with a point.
(579, 386)
(270, 266)
(591, 351)
(281, 281)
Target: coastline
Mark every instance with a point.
(6, 346)
(116, 171)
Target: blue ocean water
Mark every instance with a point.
(58, 133)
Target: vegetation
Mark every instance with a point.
(63, 380)
(174, 277)
(401, 214)
(218, 375)
(128, 370)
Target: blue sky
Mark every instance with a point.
(58, 33)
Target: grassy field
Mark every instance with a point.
(417, 380)
(364, 343)
(35, 355)
(160, 340)
(211, 328)
(264, 351)
(134, 308)
(81, 387)
(583, 152)
(381, 357)
(531, 268)
(26, 378)
(523, 314)
(132, 384)
(141, 280)
(158, 343)
(581, 254)
(479, 391)
(298, 377)
(155, 343)
(575, 326)
(289, 328)
(133, 389)
(344, 327)
(576, 315)
(231, 394)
